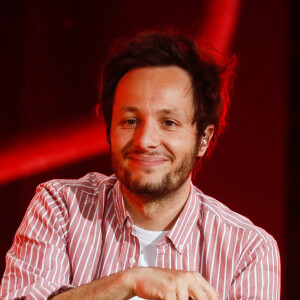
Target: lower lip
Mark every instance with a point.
(148, 163)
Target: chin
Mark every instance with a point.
(152, 188)
(152, 183)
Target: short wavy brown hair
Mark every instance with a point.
(210, 77)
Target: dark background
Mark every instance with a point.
(51, 54)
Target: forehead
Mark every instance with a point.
(160, 87)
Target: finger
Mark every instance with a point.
(197, 293)
(188, 287)
(171, 295)
(182, 292)
(207, 289)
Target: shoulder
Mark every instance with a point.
(213, 209)
(62, 199)
(91, 188)
(91, 183)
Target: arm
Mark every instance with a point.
(148, 283)
(37, 264)
(258, 273)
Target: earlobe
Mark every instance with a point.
(204, 142)
(208, 134)
(203, 146)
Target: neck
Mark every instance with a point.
(158, 213)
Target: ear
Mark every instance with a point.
(204, 142)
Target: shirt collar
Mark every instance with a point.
(182, 228)
(119, 206)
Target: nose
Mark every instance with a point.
(146, 136)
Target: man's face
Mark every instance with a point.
(153, 139)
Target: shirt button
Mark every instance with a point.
(180, 247)
(132, 260)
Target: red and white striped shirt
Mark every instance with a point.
(76, 231)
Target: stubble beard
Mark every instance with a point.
(168, 185)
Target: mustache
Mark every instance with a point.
(151, 153)
(127, 150)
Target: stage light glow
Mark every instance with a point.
(42, 151)
(34, 153)
(220, 23)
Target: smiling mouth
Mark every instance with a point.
(147, 161)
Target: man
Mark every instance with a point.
(146, 231)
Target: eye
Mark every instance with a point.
(169, 123)
(129, 123)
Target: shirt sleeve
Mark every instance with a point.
(258, 273)
(37, 264)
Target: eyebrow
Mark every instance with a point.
(166, 111)
(129, 108)
(169, 111)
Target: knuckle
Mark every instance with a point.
(215, 295)
(159, 295)
(180, 280)
(195, 274)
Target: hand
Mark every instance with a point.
(147, 283)
(166, 284)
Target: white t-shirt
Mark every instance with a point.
(148, 242)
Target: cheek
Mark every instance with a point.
(120, 140)
(183, 145)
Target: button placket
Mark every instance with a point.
(131, 261)
(180, 247)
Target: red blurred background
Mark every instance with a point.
(52, 53)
